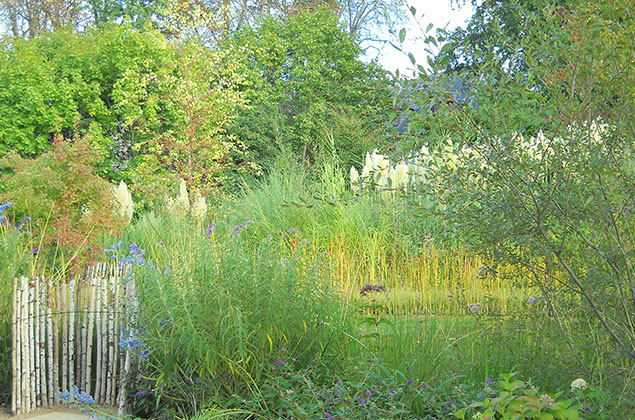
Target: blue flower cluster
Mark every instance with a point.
(210, 230)
(84, 402)
(75, 396)
(113, 249)
(136, 256)
(130, 341)
(3, 207)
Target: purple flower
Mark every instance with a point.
(328, 416)
(362, 401)
(425, 386)
(451, 402)
(139, 394)
(338, 383)
(160, 243)
(368, 393)
(291, 230)
(317, 394)
(446, 408)
(489, 381)
(338, 393)
(35, 250)
(269, 236)
(493, 395)
(375, 388)
(209, 230)
(237, 228)
(21, 225)
(409, 382)
(587, 409)
(136, 251)
(248, 222)
(392, 390)
(281, 362)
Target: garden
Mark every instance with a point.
(313, 237)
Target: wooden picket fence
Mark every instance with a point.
(66, 333)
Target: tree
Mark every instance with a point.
(305, 72)
(556, 203)
(74, 84)
(138, 12)
(495, 28)
(360, 16)
(31, 17)
(227, 17)
(156, 110)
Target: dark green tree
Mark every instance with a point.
(308, 87)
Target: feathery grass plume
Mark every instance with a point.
(355, 184)
(198, 210)
(124, 201)
(181, 205)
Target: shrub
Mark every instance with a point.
(513, 398)
(68, 203)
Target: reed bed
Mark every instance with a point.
(373, 241)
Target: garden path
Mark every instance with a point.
(51, 413)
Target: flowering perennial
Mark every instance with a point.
(578, 384)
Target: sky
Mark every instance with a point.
(438, 12)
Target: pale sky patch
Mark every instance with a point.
(439, 13)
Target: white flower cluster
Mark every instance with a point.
(578, 384)
(380, 174)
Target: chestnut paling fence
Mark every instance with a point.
(67, 333)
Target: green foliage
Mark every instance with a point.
(496, 29)
(75, 84)
(306, 78)
(513, 398)
(68, 203)
(204, 98)
(563, 215)
(157, 110)
(290, 393)
(137, 12)
(217, 314)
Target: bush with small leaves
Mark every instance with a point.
(69, 204)
(513, 398)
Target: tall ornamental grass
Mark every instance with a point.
(216, 314)
(368, 240)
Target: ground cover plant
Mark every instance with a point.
(479, 265)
